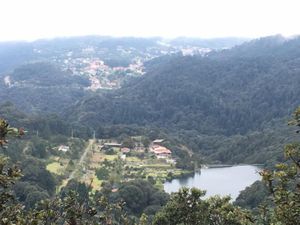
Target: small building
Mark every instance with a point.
(171, 161)
(125, 150)
(158, 141)
(161, 152)
(123, 157)
(63, 148)
(112, 145)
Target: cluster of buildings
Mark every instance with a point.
(155, 147)
(90, 61)
(191, 51)
(160, 152)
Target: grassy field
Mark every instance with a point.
(56, 168)
(133, 159)
(158, 166)
(96, 183)
(110, 157)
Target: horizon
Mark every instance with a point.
(137, 37)
(146, 37)
(33, 20)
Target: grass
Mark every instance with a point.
(96, 183)
(56, 168)
(133, 159)
(110, 157)
(158, 166)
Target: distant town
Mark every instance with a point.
(128, 62)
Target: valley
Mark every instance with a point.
(117, 124)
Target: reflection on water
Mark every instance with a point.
(183, 181)
(221, 181)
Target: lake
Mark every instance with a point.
(218, 181)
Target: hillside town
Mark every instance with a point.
(109, 68)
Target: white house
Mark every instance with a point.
(63, 148)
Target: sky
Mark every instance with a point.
(35, 19)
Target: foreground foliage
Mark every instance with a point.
(187, 207)
(284, 185)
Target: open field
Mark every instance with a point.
(110, 157)
(133, 159)
(96, 185)
(57, 168)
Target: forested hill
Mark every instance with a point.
(272, 47)
(230, 92)
(50, 75)
(41, 87)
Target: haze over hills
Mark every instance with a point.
(200, 97)
(65, 69)
(13, 54)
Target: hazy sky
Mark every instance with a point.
(33, 19)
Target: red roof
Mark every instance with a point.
(161, 150)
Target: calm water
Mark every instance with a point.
(221, 181)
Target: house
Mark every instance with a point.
(63, 148)
(125, 150)
(160, 151)
(112, 145)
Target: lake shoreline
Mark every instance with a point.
(222, 181)
(206, 166)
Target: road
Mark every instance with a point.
(88, 148)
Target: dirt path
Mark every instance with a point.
(88, 148)
(26, 147)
